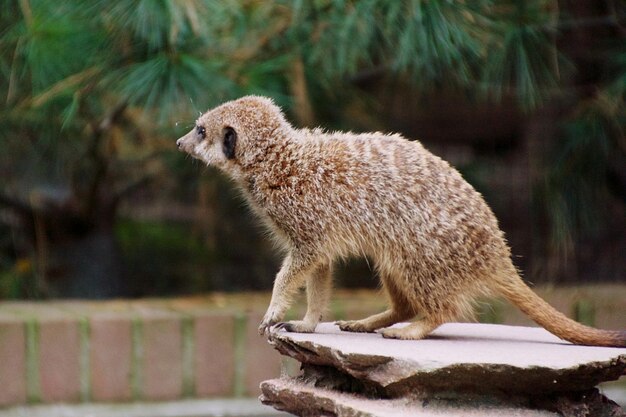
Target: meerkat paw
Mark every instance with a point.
(393, 333)
(270, 319)
(265, 326)
(414, 331)
(296, 326)
(360, 326)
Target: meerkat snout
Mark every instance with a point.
(191, 140)
(433, 239)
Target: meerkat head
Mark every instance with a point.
(233, 134)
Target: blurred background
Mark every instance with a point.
(525, 98)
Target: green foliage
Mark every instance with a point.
(17, 278)
(163, 54)
(508, 48)
(437, 38)
(576, 188)
(521, 54)
(153, 54)
(429, 41)
(590, 151)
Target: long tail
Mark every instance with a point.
(518, 293)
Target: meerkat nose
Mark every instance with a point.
(179, 143)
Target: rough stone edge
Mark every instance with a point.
(372, 370)
(502, 379)
(303, 399)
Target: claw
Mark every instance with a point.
(269, 320)
(265, 328)
(288, 327)
(268, 326)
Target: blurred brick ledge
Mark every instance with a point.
(197, 347)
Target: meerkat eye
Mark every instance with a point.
(230, 140)
(201, 131)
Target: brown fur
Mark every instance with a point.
(435, 243)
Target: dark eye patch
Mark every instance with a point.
(201, 131)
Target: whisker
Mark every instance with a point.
(187, 126)
(193, 105)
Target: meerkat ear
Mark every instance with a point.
(230, 140)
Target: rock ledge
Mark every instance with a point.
(461, 369)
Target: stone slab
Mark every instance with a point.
(458, 357)
(303, 399)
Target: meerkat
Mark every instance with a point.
(434, 241)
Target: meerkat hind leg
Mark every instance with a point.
(375, 322)
(400, 310)
(318, 289)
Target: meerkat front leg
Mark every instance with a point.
(318, 289)
(294, 270)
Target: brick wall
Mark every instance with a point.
(191, 347)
